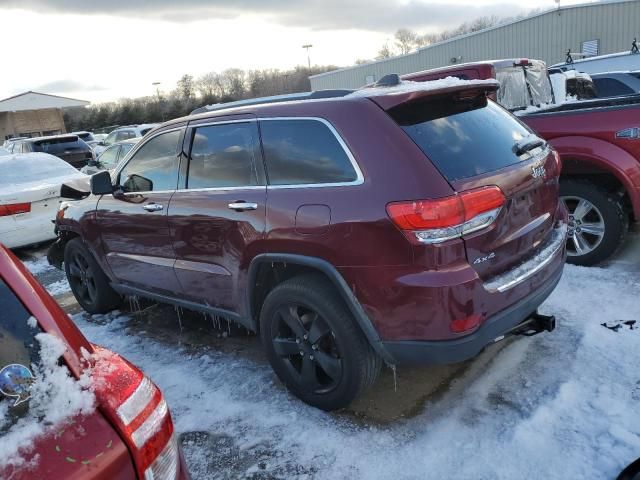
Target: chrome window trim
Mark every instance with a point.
(359, 176)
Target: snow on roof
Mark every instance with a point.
(38, 101)
(407, 86)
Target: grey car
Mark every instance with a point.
(111, 156)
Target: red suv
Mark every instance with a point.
(50, 425)
(407, 223)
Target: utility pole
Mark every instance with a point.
(157, 85)
(307, 47)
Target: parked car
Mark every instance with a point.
(420, 236)
(110, 157)
(69, 148)
(30, 196)
(597, 141)
(7, 143)
(615, 62)
(128, 435)
(124, 133)
(88, 137)
(4, 151)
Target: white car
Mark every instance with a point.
(4, 151)
(123, 133)
(30, 196)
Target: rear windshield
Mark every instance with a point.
(55, 146)
(18, 350)
(463, 138)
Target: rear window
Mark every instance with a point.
(302, 152)
(18, 350)
(462, 138)
(59, 145)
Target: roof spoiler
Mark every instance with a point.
(388, 97)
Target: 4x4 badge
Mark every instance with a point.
(15, 382)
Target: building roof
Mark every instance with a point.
(38, 101)
(473, 34)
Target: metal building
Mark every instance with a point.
(33, 114)
(593, 28)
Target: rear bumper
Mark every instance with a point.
(464, 348)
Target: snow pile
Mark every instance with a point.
(55, 398)
(409, 86)
(38, 266)
(564, 404)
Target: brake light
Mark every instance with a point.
(14, 209)
(139, 411)
(435, 221)
(462, 325)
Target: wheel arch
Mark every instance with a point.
(270, 269)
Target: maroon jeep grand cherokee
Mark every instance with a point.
(398, 224)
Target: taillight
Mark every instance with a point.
(138, 409)
(438, 220)
(462, 325)
(14, 209)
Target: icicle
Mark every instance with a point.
(179, 312)
(395, 378)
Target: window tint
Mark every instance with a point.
(223, 156)
(60, 145)
(462, 138)
(610, 87)
(303, 152)
(154, 166)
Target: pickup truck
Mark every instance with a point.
(598, 141)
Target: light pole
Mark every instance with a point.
(157, 85)
(307, 47)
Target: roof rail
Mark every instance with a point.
(288, 97)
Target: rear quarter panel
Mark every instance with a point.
(588, 138)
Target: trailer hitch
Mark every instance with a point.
(535, 324)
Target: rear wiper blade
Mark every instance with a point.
(527, 144)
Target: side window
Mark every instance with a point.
(299, 152)
(111, 138)
(610, 87)
(124, 135)
(108, 158)
(223, 156)
(154, 166)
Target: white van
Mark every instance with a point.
(615, 62)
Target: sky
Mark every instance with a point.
(103, 50)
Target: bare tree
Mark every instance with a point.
(405, 40)
(385, 52)
(185, 87)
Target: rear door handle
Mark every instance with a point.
(153, 207)
(243, 206)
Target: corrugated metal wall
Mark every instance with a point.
(546, 37)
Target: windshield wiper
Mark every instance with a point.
(527, 144)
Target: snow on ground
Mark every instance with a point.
(40, 268)
(559, 405)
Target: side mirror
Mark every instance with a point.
(101, 183)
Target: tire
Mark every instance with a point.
(605, 216)
(88, 282)
(306, 314)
